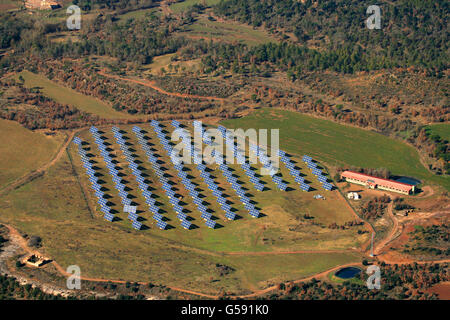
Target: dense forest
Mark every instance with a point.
(339, 28)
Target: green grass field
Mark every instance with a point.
(22, 150)
(441, 129)
(65, 95)
(227, 31)
(338, 144)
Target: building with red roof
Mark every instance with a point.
(377, 183)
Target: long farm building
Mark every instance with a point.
(377, 183)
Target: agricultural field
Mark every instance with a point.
(337, 144)
(16, 158)
(59, 215)
(65, 95)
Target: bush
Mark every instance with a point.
(35, 241)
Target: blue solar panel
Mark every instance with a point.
(162, 225)
(109, 217)
(282, 186)
(210, 224)
(206, 215)
(259, 187)
(312, 165)
(217, 193)
(304, 186)
(249, 206)
(181, 216)
(230, 215)
(126, 201)
(173, 201)
(254, 213)
(186, 224)
(133, 216)
(322, 178)
(306, 158)
(99, 194)
(136, 225)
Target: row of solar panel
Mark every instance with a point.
(151, 202)
(190, 186)
(234, 185)
(229, 141)
(133, 216)
(168, 188)
(95, 185)
(317, 172)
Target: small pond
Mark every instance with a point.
(347, 273)
(408, 180)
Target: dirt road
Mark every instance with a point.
(382, 244)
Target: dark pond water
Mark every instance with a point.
(408, 180)
(347, 273)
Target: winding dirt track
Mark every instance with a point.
(391, 234)
(152, 84)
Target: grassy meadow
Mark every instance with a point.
(65, 95)
(22, 150)
(338, 144)
(441, 129)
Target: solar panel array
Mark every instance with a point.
(234, 185)
(209, 180)
(317, 172)
(90, 171)
(239, 156)
(205, 214)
